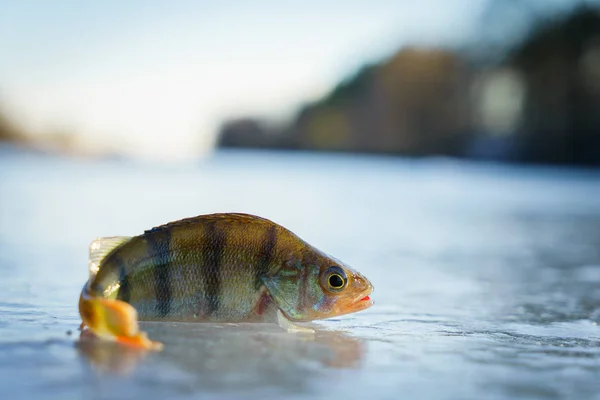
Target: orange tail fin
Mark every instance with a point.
(113, 320)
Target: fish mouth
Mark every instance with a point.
(362, 301)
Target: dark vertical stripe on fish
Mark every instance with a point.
(215, 247)
(302, 288)
(124, 289)
(267, 252)
(158, 249)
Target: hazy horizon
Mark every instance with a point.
(158, 82)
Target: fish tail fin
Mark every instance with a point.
(114, 320)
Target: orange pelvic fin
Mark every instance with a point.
(114, 320)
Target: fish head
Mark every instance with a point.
(319, 287)
(341, 290)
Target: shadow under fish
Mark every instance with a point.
(223, 354)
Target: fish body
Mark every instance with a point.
(220, 268)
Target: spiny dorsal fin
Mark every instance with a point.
(100, 248)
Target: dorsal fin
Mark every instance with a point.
(102, 247)
(229, 217)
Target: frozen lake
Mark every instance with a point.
(487, 278)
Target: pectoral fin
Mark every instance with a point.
(279, 290)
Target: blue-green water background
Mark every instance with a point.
(487, 278)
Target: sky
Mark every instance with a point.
(157, 78)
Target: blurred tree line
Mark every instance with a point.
(534, 100)
(8, 131)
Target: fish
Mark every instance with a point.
(225, 267)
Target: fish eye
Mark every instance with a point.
(335, 279)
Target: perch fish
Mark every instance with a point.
(213, 268)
